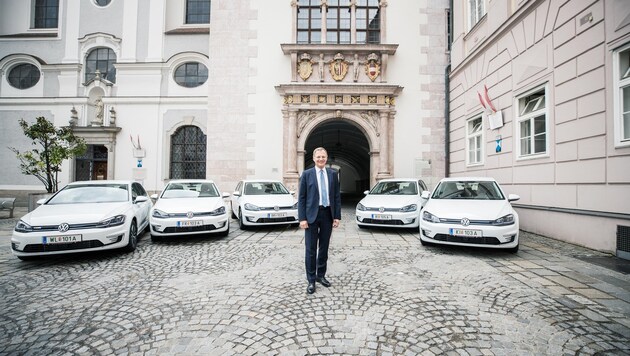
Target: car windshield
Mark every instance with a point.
(190, 190)
(395, 188)
(478, 190)
(264, 188)
(91, 193)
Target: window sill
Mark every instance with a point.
(189, 31)
(532, 156)
(47, 34)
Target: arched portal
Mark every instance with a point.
(348, 151)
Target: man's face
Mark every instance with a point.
(320, 158)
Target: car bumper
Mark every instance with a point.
(183, 226)
(263, 218)
(387, 218)
(37, 243)
(490, 236)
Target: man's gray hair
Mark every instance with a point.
(320, 149)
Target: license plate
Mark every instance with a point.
(190, 223)
(381, 217)
(465, 232)
(276, 215)
(65, 239)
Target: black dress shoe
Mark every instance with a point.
(311, 288)
(323, 281)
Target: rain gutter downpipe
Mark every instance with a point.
(447, 121)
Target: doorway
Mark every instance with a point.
(92, 165)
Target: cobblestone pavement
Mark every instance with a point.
(246, 294)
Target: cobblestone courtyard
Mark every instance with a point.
(245, 294)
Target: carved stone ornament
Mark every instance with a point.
(305, 66)
(304, 117)
(372, 67)
(338, 67)
(371, 117)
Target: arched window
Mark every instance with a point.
(188, 153)
(191, 74)
(102, 59)
(23, 76)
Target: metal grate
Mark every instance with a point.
(623, 238)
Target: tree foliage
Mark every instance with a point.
(53, 146)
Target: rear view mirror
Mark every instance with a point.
(513, 197)
(425, 194)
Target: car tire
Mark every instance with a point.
(155, 238)
(133, 237)
(240, 221)
(232, 209)
(513, 249)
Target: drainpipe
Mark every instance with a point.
(447, 122)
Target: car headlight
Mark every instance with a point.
(219, 211)
(114, 221)
(408, 208)
(427, 216)
(504, 220)
(159, 214)
(21, 226)
(360, 207)
(249, 206)
(295, 206)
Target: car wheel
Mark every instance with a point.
(232, 208)
(155, 238)
(240, 221)
(133, 237)
(513, 249)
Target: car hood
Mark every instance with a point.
(269, 200)
(471, 209)
(73, 213)
(389, 201)
(184, 205)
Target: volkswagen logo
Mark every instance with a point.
(465, 222)
(190, 215)
(381, 209)
(276, 208)
(63, 227)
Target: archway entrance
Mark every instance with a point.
(348, 152)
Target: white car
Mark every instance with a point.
(394, 202)
(189, 207)
(84, 216)
(470, 212)
(263, 202)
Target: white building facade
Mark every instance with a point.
(228, 89)
(539, 99)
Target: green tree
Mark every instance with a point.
(54, 145)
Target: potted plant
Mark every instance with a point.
(53, 146)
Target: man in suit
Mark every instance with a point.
(319, 211)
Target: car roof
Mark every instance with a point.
(399, 179)
(459, 179)
(180, 181)
(261, 181)
(98, 182)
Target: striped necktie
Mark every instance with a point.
(322, 188)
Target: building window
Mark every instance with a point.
(368, 21)
(102, 3)
(474, 137)
(23, 76)
(622, 96)
(476, 10)
(191, 74)
(309, 21)
(101, 59)
(188, 153)
(46, 14)
(532, 123)
(197, 11)
(449, 30)
(338, 22)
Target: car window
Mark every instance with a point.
(478, 190)
(91, 193)
(395, 188)
(239, 186)
(423, 186)
(137, 190)
(265, 188)
(190, 190)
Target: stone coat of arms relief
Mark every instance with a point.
(338, 67)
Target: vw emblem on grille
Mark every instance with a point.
(276, 208)
(190, 214)
(381, 209)
(63, 227)
(465, 222)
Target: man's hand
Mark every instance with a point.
(336, 222)
(303, 224)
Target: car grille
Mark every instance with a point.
(198, 214)
(273, 208)
(472, 222)
(275, 220)
(468, 240)
(183, 229)
(368, 208)
(72, 227)
(66, 247)
(385, 222)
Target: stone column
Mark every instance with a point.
(294, 10)
(324, 8)
(292, 143)
(383, 13)
(353, 21)
(383, 169)
(111, 158)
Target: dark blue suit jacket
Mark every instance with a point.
(308, 196)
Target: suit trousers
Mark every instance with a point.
(317, 239)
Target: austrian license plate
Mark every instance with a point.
(276, 215)
(381, 216)
(466, 232)
(65, 239)
(189, 223)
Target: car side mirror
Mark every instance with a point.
(366, 192)
(154, 196)
(225, 195)
(41, 201)
(513, 197)
(425, 194)
(236, 194)
(141, 199)
(292, 192)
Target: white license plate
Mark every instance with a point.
(190, 223)
(465, 232)
(276, 215)
(381, 216)
(65, 239)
